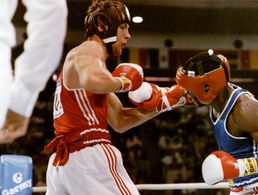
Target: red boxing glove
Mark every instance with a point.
(146, 97)
(130, 75)
(220, 165)
(172, 98)
(150, 97)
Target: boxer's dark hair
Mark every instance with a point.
(108, 15)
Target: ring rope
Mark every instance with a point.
(169, 79)
(181, 186)
(172, 186)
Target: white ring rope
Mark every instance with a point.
(180, 186)
(174, 186)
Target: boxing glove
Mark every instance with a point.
(146, 97)
(150, 97)
(220, 165)
(130, 75)
(172, 98)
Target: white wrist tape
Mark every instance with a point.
(126, 84)
(164, 102)
(247, 166)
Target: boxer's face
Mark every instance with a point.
(123, 36)
(195, 99)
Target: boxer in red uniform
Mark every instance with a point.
(85, 161)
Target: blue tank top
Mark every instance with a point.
(239, 147)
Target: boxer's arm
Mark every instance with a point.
(245, 115)
(122, 119)
(152, 97)
(85, 69)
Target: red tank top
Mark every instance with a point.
(80, 120)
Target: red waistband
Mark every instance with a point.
(75, 141)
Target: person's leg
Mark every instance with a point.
(97, 170)
(54, 180)
(46, 30)
(122, 175)
(7, 41)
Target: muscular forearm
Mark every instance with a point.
(101, 84)
(132, 117)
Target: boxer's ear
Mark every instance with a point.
(102, 24)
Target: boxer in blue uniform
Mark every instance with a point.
(234, 118)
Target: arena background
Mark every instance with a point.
(171, 147)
